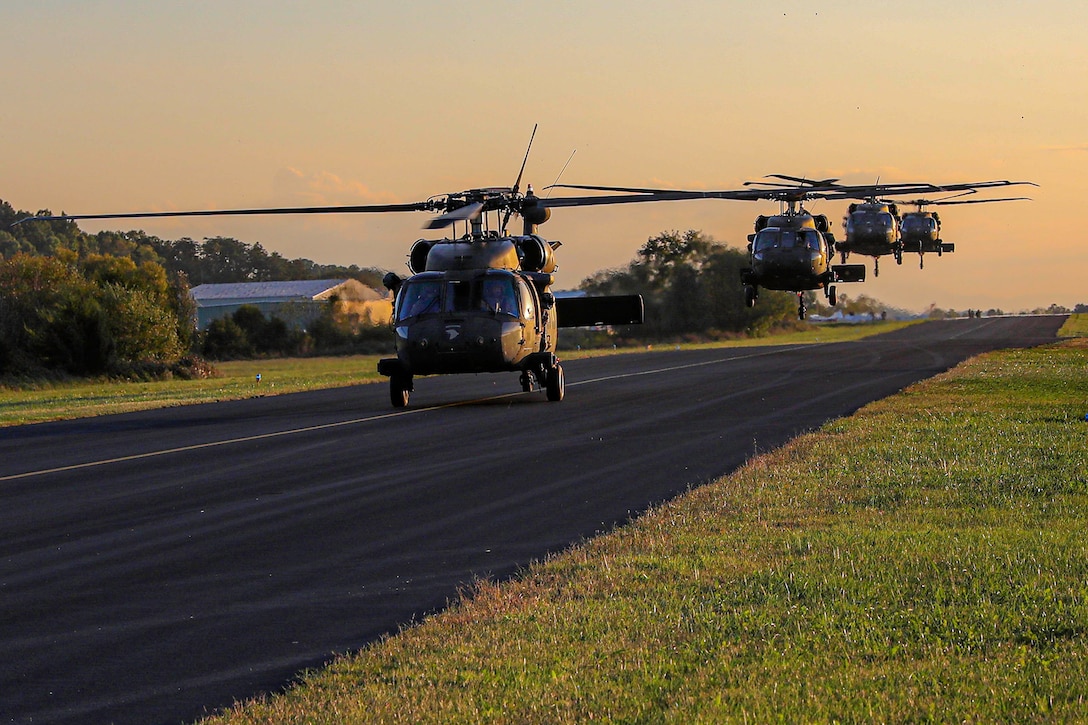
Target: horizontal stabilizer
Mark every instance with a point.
(849, 272)
(593, 311)
(947, 247)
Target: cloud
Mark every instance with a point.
(292, 186)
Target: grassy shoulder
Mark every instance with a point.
(238, 380)
(924, 559)
(1075, 326)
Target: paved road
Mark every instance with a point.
(158, 565)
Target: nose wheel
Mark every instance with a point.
(400, 389)
(751, 294)
(801, 309)
(554, 383)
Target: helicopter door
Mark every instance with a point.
(528, 304)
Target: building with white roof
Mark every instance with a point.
(297, 303)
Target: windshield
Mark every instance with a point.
(491, 293)
(786, 239)
(919, 224)
(419, 297)
(497, 295)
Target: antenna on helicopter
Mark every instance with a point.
(517, 183)
(561, 171)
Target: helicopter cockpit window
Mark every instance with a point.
(766, 239)
(920, 225)
(419, 298)
(812, 239)
(497, 295)
(782, 239)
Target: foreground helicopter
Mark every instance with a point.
(478, 303)
(482, 302)
(920, 230)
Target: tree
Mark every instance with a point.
(691, 286)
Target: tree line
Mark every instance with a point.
(214, 260)
(118, 303)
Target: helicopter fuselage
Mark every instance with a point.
(792, 252)
(872, 229)
(784, 258)
(920, 232)
(473, 308)
(449, 322)
(788, 252)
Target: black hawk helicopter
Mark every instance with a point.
(791, 250)
(874, 227)
(920, 230)
(478, 303)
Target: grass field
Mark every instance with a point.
(239, 380)
(922, 560)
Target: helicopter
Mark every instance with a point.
(920, 230)
(791, 250)
(874, 227)
(478, 303)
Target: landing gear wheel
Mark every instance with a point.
(832, 297)
(750, 295)
(876, 267)
(899, 256)
(555, 383)
(843, 257)
(400, 388)
(801, 310)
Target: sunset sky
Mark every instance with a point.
(131, 106)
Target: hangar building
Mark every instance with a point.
(296, 303)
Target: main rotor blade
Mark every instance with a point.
(568, 201)
(460, 214)
(623, 189)
(355, 209)
(984, 185)
(777, 193)
(801, 180)
(667, 194)
(981, 201)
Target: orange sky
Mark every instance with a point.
(125, 106)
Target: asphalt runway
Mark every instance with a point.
(159, 565)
